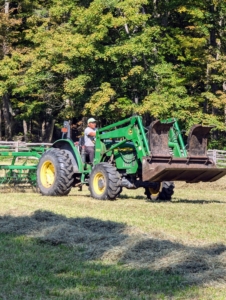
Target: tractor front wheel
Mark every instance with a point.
(55, 173)
(163, 191)
(104, 182)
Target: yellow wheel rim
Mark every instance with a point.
(47, 174)
(99, 183)
(156, 191)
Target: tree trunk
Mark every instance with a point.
(0, 124)
(165, 15)
(224, 90)
(216, 46)
(43, 131)
(7, 116)
(30, 127)
(5, 98)
(51, 130)
(6, 7)
(25, 130)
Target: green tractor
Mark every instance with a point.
(127, 155)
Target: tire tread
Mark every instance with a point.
(65, 178)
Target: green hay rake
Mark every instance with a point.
(18, 163)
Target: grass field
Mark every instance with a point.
(76, 247)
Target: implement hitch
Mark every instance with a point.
(162, 166)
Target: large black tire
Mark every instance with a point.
(104, 182)
(55, 173)
(164, 192)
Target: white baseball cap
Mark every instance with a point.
(91, 120)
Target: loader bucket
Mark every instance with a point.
(180, 169)
(197, 140)
(158, 138)
(162, 166)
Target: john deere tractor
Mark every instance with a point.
(127, 155)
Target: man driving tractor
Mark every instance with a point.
(89, 136)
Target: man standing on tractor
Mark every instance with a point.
(90, 133)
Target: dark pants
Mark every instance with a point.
(90, 151)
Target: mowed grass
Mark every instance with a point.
(76, 247)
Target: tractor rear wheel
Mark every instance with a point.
(163, 191)
(104, 182)
(55, 173)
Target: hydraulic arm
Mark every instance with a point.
(158, 162)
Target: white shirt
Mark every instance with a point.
(89, 140)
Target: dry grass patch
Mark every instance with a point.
(125, 249)
(114, 242)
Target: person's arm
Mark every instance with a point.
(90, 132)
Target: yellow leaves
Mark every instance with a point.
(151, 105)
(59, 47)
(205, 119)
(3, 90)
(192, 11)
(191, 27)
(136, 71)
(98, 101)
(191, 42)
(7, 22)
(62, 68)
(124, 78)
(131, 7)
(20, 104)
(217, 100)
(22, 89)
(76, 85)
(192, 47)
(182, 9)
(38, 65)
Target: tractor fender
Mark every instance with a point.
(68, 145)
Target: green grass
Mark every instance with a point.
(36, 270)
(78, 248)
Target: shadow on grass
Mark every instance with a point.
(121, 196)
(178, 200)
(174, 200)
(49, 255)
(124, 196)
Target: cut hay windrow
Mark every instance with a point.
(113, 242)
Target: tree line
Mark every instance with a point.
(111, 59)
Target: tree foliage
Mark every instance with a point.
(113, 58)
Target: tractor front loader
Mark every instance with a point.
(127, 155)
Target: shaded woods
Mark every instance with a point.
(110, 59)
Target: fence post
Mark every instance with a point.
(215, 156)
(17, 147)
